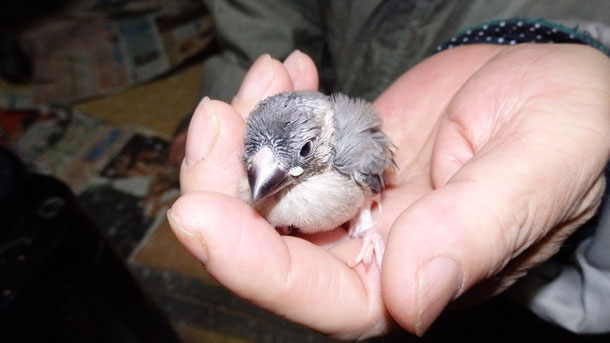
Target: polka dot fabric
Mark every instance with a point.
(515, 31)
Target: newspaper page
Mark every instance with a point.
(121, 175)
(94, 51)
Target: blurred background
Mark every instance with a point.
(92, 93)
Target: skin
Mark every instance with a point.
(500, 153)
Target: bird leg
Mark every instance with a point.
(372, 241)
(286, 229)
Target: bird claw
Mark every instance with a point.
(287, 230)
(372, 244)
(372, 240)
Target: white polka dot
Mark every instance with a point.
(571, 36)
(537, 25)
(554, 30)
(450, 46)
(465, 39)
(481, 33)
(497, 29)
(512, 42)
(532, 29)
(521, 35)
(538, 37)
(485, 27)
(500, 40)
(502, 24)
(438, 48)
(488, 39)
(519, 23)
(468, 32)
(453, 39)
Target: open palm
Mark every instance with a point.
(500, 152)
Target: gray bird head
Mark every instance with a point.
(288, 137)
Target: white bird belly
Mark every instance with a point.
(320, 203)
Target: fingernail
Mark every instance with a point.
(440, 280)
(204, 128)
(295, 59)
(294, 65)
(192, 240)
(258, 79)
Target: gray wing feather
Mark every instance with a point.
(363, 151)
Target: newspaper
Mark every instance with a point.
(92, 51)
(121, 175)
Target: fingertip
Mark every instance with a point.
(258, 79)
(193, 241)
(220, 221)
(213, 149)
(202, 133)
(302, 71)
(266, 77)
(399, 284)
(435, 251)
(440, 280)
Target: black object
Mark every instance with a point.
(60, 280)
(15, 65)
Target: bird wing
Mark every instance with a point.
(362, 150)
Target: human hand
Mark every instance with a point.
(504, 156)
(285, 274)
(471, 186)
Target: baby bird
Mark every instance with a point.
(315, 162)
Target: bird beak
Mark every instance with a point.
(266, 175)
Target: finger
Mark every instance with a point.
(452, 149)
(411, 106)
(498, 205)
(286, 275)
(302, 71)
(266, 77)
(520, 193)
(212, 158)
(549, 93)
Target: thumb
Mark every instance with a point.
(286, 275)
(431, 257)
(514, 176)
(212, 149)
(266, 77)
(496, 210)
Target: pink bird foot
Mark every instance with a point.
(372, 244)
(372, 240)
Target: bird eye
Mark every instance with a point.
(306, 149)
